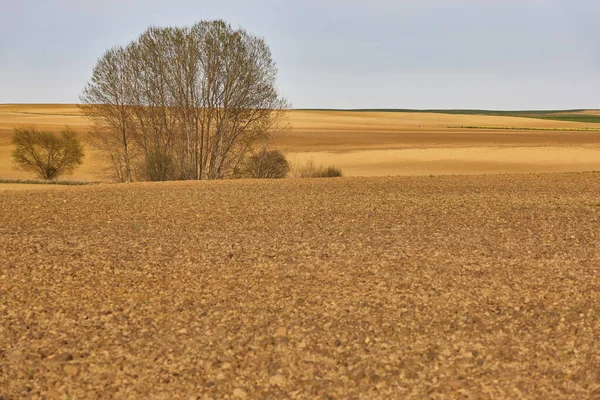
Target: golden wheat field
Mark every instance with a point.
(477, 287)
(376, 143)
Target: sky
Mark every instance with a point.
(482, 54)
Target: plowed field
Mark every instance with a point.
(428, 287)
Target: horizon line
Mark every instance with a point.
(377, 109)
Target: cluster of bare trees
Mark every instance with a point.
(184, 103)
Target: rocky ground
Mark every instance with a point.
(430, 287)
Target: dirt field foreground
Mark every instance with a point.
(431, 287)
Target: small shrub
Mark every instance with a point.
(331, 172)
(45, 154)
(310, 170)
(267, 164)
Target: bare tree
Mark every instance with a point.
(196, 101)
(106, 100)
(46, 154)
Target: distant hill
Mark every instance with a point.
(578, 115)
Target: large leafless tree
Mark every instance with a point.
(184, 103)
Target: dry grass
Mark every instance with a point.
(309, 169)
(456, 160)
(445, 287)
(24, 186)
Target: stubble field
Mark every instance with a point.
(378, 143)
(406, 287)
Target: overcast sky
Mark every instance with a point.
(487, 54)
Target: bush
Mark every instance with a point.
(310, 170)
(46, 154)
(159, 166)
(331, 172)
(267, 164)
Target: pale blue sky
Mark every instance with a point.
(492, 54)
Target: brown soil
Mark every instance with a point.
(428, 287)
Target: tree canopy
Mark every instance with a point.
(183, 102)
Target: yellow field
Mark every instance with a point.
(376, 143)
